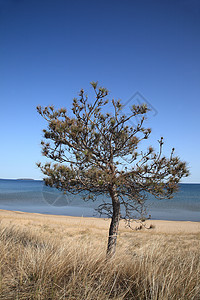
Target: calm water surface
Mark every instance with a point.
(33, 196)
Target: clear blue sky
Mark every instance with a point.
(50, 49)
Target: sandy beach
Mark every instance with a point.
(97, 225)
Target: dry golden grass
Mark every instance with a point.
(52, 257)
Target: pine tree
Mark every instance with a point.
(98, 153)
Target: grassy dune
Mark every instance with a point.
(52, 257)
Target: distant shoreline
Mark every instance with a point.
(32, 179)
(21, 179)
(25, 179)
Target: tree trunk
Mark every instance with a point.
(113, 231)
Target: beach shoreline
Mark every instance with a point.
(157, 226)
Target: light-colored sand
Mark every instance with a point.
(77, 224)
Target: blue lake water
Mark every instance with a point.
(33, 196)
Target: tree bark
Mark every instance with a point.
(114, 225)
